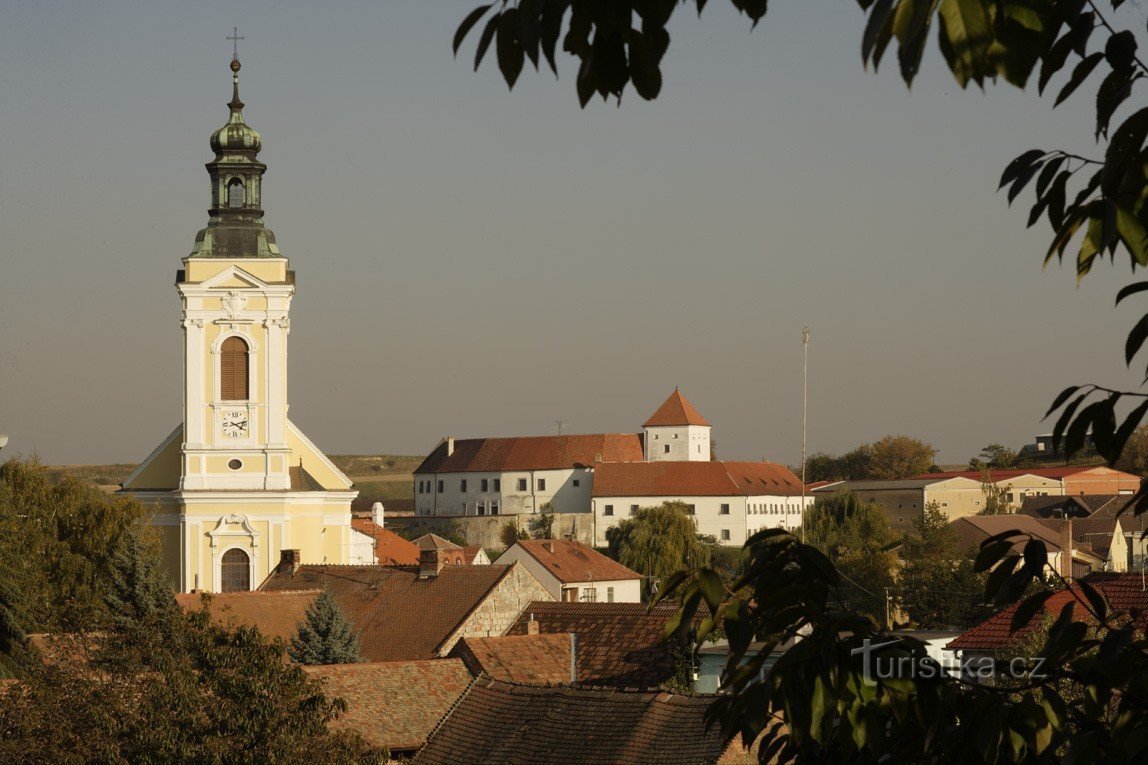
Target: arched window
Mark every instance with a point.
(235, 571)
(233, 370)
(235, 193)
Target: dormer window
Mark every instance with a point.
(235, 197)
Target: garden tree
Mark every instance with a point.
(193, 692)
(996, 498)
(900, 457)
(937, 586)
(542, 524)
(997, 457)
(856, 536)
(1134, 456)
(658, 541)
(136, 587)
(853, 465)
(326, 635)
(511, 533)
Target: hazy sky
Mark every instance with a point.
(477, 262)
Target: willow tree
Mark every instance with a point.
(657, 541)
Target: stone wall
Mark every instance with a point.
(500, 608)
(486, 530)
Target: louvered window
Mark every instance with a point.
(233, 370)
(235, 193)
(235, 571)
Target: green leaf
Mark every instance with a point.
(466, 25)
(965, 24)
(1065, 394)
(1078, 431)
(1136, 339)
(1019, 165)
(711, 587)
(1113, 91)
(511, 56)
(1095, 600)
(1135, 237)
(1127, 428)
(879, 24)
(991, 552)
(1079, 75)
(1021, 181)
(644, 71)
(1131, 289)
(484, 40)
(1065, 418)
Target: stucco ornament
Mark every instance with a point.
(234, 303)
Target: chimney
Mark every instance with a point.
(532, 626)
(430, 562)
(573, 657)
(289, 561)
(549, 545)
(377, 513)
(1066, 548)
(449, 445)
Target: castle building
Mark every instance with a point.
(236, 482)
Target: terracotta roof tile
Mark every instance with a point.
(400, 616)
(539, 659)
(500, 723)
(493, 455)
(276, 614)
(435, 542)
(1004, 475)
(1124, 593)
(394, 704)
(619, 644)
(696, 479)
(675, 410)
(390, 548)
(571, 561)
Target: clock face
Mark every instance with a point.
(235, 424)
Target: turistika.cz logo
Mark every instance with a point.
(883, 661)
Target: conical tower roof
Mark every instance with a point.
(676, 410)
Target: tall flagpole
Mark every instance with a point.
(804, 417)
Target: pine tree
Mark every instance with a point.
(326, 636)
(136, 587)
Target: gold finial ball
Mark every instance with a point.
(235, 65)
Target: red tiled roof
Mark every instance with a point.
(1004, 475)
(571, 561)
(390, 548)
(435, 542)
(675, 410)
(394, 704)
(470, 552)
(493, 455)
(275, 614)
(1124, 593)
(695, 479)
(498, 722)
(538, 659)
(400, 616)
(619, 644)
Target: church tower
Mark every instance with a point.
(237, 483)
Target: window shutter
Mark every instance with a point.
(233, 370)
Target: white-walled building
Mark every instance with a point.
(574, 572)
(730, 501)
(677, 432)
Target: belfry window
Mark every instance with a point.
(233, 370)
(235, 571)
(235, 193)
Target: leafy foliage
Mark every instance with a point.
(938, 587)
(997, 457)
(195, 692)
(542, 524)
(511, 533)
(892, 456)
(658, 541)
(326, 636)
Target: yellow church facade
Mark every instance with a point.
(237, 482)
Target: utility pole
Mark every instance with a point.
(804, 416)
(888, 621)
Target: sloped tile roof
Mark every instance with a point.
(276, 614)
(974, 529)
(390, 548)
(435, 542)
(695, 479)
(394, 704)
(1004, 475)
(494, 455)
(537, 659)
(619, 644)
(675, 410)
(400, 616)
(1124, 593)
(498, 723)
(571, 561)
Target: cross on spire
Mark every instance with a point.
(235, 38)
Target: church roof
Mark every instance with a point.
(676, 410)
(494, 455)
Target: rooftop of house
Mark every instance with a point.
(619, 644)
(504, 722)
(1071, 506)
(1124, 593)
(974, 529)
(571, 561)
(435, 542)
(390, 548)
(695, 479)
(537, 659)
(675, 410)
(1004, 475)
(400, 615)
(275, 614)
(471, 552)
(394, 704)
(496, 455)
(1095, 532)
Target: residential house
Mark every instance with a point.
(572, 571)
(1028, 482)
(388, 548)
(617, 644)
(496, 721)
(450, 553)
(1080, 561)
(730, 501)
(532, 658)
(275, 614)
(1103, 536)
(473, 555)
(408, 613)
(904, 501)
(396, 704)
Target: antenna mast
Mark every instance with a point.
(804, 416)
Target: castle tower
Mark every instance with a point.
(676, 432)
(236, 483)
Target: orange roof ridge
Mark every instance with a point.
(676, 410)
